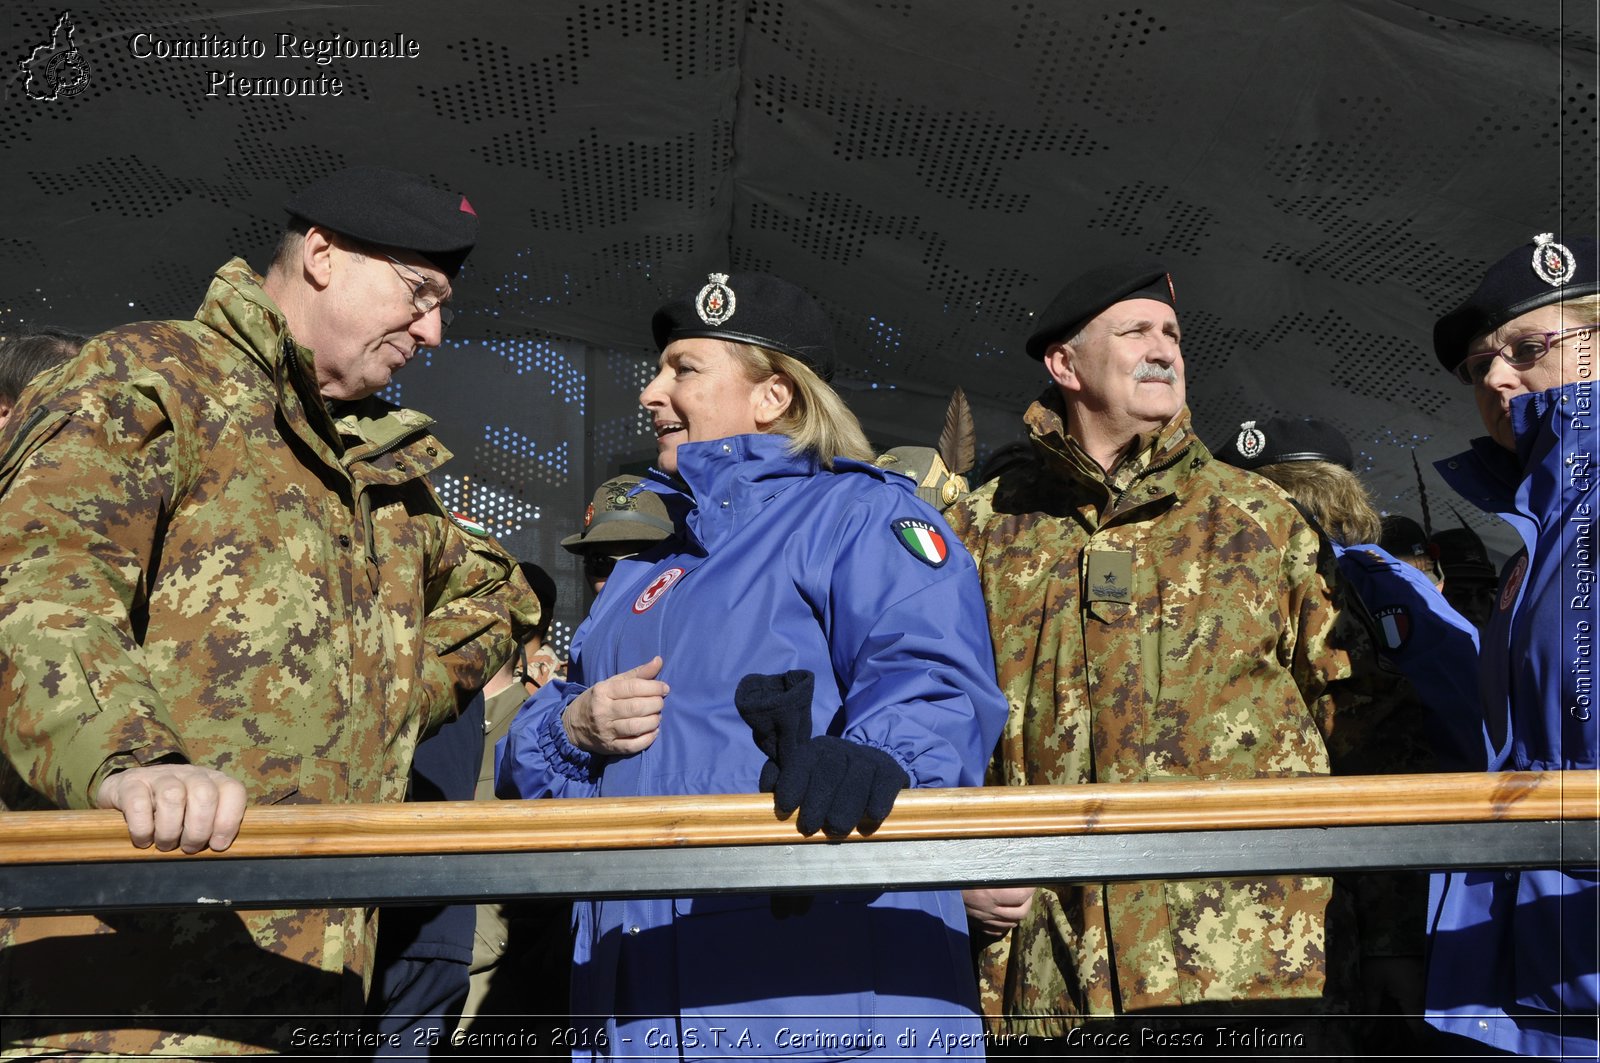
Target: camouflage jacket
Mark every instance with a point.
(198, 560)
(1166, 621)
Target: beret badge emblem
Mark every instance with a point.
(715, 302)
(1251, 441)
(1552, 262)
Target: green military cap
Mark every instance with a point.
(618, 516)
(936, 484)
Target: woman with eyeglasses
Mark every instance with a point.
(1514, 960)
(811, 629)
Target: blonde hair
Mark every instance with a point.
(1333, 495)
(1586, 307)
(817, 421)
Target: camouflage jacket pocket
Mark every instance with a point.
(41, 423)
(274, 778)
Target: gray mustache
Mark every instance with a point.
(1152, 371)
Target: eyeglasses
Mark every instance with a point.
(598, 566)
(425, 295)
(1519, 352)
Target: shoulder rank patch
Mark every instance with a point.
(470, 526)
(924, 541)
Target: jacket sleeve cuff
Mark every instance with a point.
(158, 752)
(905, 765)
(559, 752)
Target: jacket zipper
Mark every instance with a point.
(365, 506)
(1163, 466)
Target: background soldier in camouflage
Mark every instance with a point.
(226, 580)
(1156, 615)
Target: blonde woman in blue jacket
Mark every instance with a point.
(812, 629)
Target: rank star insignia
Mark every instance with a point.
(1552, 262)
(1251, 440)
(922, 540)
(715, 302)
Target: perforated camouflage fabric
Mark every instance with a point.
(1163, 622)
(197, 559)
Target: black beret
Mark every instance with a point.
(391, 209)
(1276, 440)
(1092, 292)
(1463, 556)
(751, 308)
(1404, 537)
(1536, 274)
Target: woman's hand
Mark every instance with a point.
(618, 715)
(996, 911)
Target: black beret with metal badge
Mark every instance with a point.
(753, 308)
(1275, 440)
(1536, 274)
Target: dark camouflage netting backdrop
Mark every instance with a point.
(1324, 177)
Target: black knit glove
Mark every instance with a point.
(838, 786)
(778, 710)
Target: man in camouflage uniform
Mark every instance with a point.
(226, 580)
(1156, 616)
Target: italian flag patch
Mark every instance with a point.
(470, 526)
(925, 541)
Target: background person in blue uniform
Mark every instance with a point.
(791, 555)
(1514, 960)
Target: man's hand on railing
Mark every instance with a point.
(996, 911)
(176, 806)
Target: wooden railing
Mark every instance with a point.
(58, 861)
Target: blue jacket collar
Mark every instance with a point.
(1488, 475)
(723, 482)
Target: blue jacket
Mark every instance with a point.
(778, 564)
(1425, 639)
(1514, 952)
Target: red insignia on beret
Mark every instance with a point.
(466, 208)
